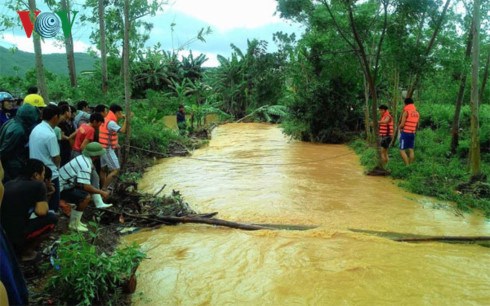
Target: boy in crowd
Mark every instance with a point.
(85, 133)
(67, 132)
(83, 114)
(24, 211)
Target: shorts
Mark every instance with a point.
(74, 195)
(385, 141)
(407, 140)
(110, 160)
(37, 226)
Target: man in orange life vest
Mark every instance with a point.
(108, 138)
(408, 126)
(385, 131)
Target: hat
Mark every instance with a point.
(93, 149)
(35, 100)
(5, 96)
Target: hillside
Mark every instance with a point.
(55, 63)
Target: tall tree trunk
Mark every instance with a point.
(394, 104)
(459, 99)
(429, 48)
(41, 78)
(370, 138)
(370, 75)
(485, 77)
(127, 85)
(70, 55)
(103, 49)
(475, 124)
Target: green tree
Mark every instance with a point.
(475, 158)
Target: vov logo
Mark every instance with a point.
(47, 24)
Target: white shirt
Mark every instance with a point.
(43, 145)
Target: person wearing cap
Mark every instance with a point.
(14, 140)
(76, 186)
(84, 136)
(35, 100)
(7, 110)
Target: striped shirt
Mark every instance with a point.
(77, 171)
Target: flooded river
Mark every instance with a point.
(252, 173)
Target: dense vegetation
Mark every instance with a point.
(324, 86)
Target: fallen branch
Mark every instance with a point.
(204, 220)
(208, 219)
(161, 189)
(291, 227)
(404, 237)
(445, 239)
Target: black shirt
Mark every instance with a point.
(21, 196)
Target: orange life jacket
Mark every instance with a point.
(412, 119)
(106, 137)
(386, 129)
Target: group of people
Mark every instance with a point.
(407, 127)
(55, 159)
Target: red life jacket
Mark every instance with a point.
(412, 119)
(386, 129)
(106, 137)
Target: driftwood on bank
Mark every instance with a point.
(405, 237)
(197, 218)
(207, 218)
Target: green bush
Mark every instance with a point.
(85, 276)
(164, 103)
(150, 134)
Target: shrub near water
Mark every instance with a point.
(84, 276)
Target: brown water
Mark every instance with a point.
(252, 173)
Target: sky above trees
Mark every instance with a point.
(232, 22)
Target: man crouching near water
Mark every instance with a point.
(76, 186)
(385, 131)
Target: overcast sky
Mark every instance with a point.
(232, 21)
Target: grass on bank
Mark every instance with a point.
(436, 172)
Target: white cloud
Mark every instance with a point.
(212, 57)
(226, 15)
(48, 45)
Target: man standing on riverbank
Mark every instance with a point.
(108, 139)
(408, 127)
(385, 131)
(181, 124)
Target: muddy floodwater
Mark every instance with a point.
(252, 173)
